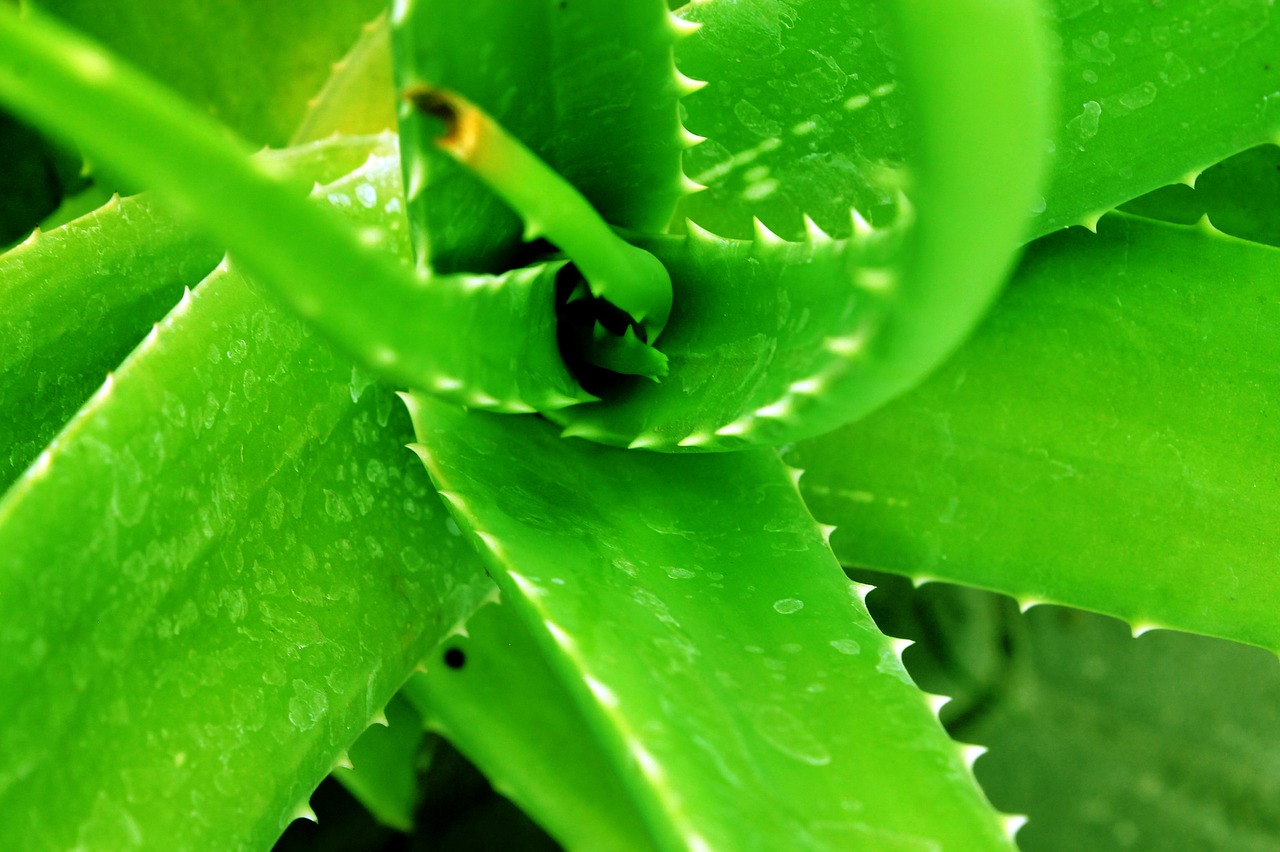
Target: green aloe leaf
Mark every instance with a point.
(326, 270)
(1125, 381)
(774, 341)
(358, 96)
(724, 663)
(74, 301)
(252, 67)
(588, 86)
(1163, 742)
(1238, 195)
(493, 694)
(246, 566)
(384, 766)
(804, 114)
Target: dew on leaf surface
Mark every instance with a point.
(786, 606)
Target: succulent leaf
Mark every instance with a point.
(210, 584)
(691, 608)
(75, 300)
(1158, 465)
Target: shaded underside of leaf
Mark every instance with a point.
(1105, 440)
(252, 67)
(804, 114)
(588, 85)
(1163, 742)
(385, 762)
(1167, 741)
(724, 664)
(1238, 195)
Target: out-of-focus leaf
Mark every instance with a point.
(34, 177)
(692, 611)
(1106, 742)
(1165, 742)
(358, 97)
(1106, 440)
(252, 65)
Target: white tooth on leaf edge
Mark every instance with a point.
(813, 230)
(764, 235)
(1137, 628)
(936, 702)
(681, 27)
(861, 227)
(689, 186)
(303, 811)
(689, 139)
(1012, 824)
(900, 645)
(970, 754)
(1025, 604)
(688, 85)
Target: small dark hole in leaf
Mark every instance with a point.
(455, 658)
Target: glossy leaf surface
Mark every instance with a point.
(737, 684)
(1128, 381)
(804, 113)
(256, 543)
(74, 301)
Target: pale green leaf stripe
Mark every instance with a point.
(1106, 440)
(75, 300)
(211, 582)
(726, 666)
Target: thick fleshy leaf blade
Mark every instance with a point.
(246, 565)
(804, 113)
(490, 691)
(724, 662)
(1105, 441)
(75, 300)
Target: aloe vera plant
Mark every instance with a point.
(657, 289)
